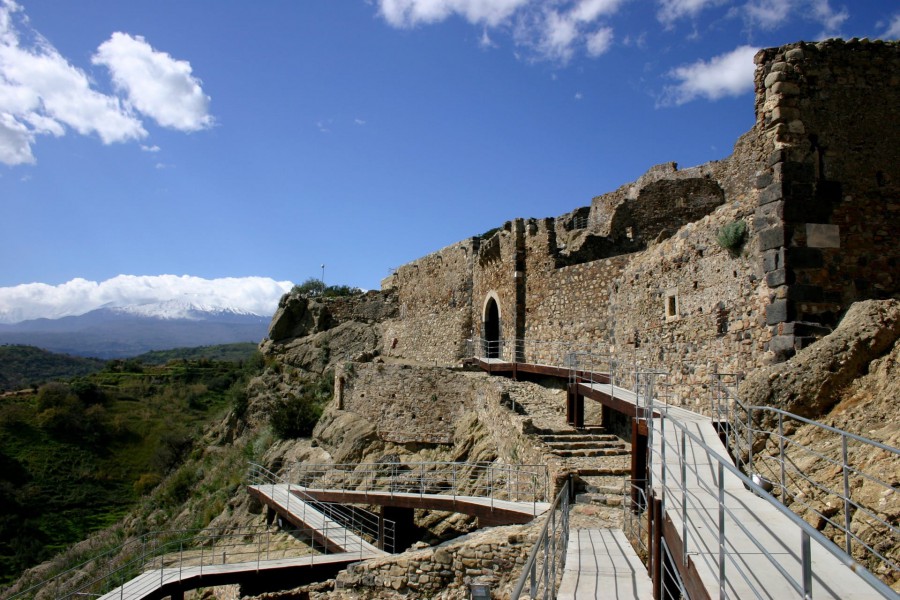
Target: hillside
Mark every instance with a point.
(24, 366)
(75, 457)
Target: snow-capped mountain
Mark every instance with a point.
(125, 331)
(180, 309)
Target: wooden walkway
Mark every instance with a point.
(600, 563)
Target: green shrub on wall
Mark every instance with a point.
(732, 236)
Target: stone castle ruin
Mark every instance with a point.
(640, 273)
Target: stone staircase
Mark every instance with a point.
(590, 442)
(599, 460)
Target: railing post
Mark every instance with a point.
(846, 470)
(552, 582)
(722, 594)
(781, 458)
(749, 439)
(684, 518)
(806, 559)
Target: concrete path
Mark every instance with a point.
(600, 563)
(151, 583)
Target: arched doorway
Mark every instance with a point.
(491, 328)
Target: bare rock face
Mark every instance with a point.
(298, 316)
(348, 437)
(811, 383)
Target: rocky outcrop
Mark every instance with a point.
(812, 382)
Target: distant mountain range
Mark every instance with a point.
(123, 332)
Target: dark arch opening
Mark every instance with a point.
(491, 329)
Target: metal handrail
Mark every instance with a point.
(170, 553)
(514, 483)
(543, 568)
(779, 468)
(363, 523)
(722, 464)
(743, 435)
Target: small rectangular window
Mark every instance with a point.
(671, 305)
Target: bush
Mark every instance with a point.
(295, 416)
(316, 288)
(732, 236)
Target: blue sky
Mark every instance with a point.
(231, 139)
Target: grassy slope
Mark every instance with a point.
(24, 366)
(60, 480)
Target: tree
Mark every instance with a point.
(311, 288)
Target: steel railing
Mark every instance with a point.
(678, 500)
(760, 440)
(635, 517)
(350, 526)
(515, 483)
(543, 570)
(172, 555)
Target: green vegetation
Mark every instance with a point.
(296, 415)
(242, 351)
(76, 456)
(732, 236)
(316, 288)
(26, 366)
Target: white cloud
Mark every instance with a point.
(579, 96)
(672, 10)
(588, 11)
(830, 19)
(771, 14)
(599, 41)
(15, 142)
(408, 13)
(150, 148)
(359, 121)
(41, 93)
(892, 31)
(729, 74)
(259, 295)
(768, 14)
(154, 83)
(550, 30)
(558, 37)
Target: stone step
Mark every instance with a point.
(601, 499)
(571, 432)
(591, 452)
(594, 437)
(600, 484)
(587, 445)
(602, 471)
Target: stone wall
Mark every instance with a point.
(498, 275)
(434, 295)
(816, 181)
(828, 201)
(496, 555)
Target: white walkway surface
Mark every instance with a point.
(600, 563)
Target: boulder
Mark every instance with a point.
(811, 382)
